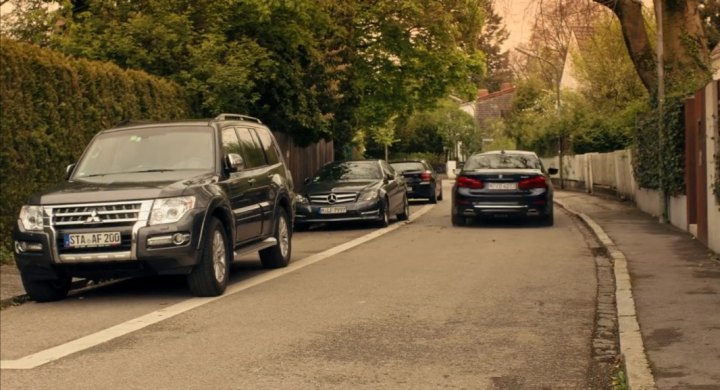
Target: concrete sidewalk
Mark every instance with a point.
(675, 285)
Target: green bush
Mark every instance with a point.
(53, 104)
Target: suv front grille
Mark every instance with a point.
(333, 198)
(96, 214)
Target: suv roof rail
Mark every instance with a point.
(227, 116)
(130, 122)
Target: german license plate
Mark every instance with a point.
(89, 240)
(502, 186)
(333, 210)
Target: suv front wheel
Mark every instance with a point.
(46, 290)
(209, 278)
(279, 255)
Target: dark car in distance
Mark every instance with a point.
(507, 183)
(360, 190)
(421, 178)
(169, 198)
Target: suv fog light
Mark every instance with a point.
(24, 246)
(159, 241)
(180, 238)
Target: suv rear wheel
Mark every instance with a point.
(279, 255)
(210, 276)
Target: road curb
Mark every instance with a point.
(637, 366)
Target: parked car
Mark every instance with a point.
(422, 180)
(503, 183)
(362, 190)
(160, 198)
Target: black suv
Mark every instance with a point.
(160, 198)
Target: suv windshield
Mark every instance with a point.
(502, 161)
(349, 171)
(148, 150)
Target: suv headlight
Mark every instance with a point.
(368, 195)
(31, 217)
(169, 210)
(299, 199)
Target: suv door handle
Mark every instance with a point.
(252, 181)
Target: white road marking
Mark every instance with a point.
(49, 355)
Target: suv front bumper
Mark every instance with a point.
(157, 249)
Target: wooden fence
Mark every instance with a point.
(304, 161)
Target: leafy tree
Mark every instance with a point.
(311, 68)
(710, 16)
(605, 49)
(492, 35)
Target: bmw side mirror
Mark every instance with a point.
(553, 171)
(234, 162)
(69, 170)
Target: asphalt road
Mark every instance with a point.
(427, 305)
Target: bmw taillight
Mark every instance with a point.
(426, 176)
(533, 182)
(468, 182)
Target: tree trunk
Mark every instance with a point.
(686, 55)
(629, 12)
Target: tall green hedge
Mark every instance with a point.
(50, 107)
(659, 161)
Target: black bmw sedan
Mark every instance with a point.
(422, 180)
(506, 183)
(362, 190)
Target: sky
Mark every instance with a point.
(519, 17)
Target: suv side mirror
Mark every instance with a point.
(234, 162)
(69, 170)
(553, 171)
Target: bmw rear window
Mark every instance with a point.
(502, 161)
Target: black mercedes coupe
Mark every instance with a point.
(361, 190)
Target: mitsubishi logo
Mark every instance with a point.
(93, 218)
(331, 198)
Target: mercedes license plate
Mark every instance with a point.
(502, 186)
(88, 240)
(332, 210)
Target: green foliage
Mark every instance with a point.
(432, 131)
(52, 105)
(310, 68)
(436, 160)
(600, 132)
